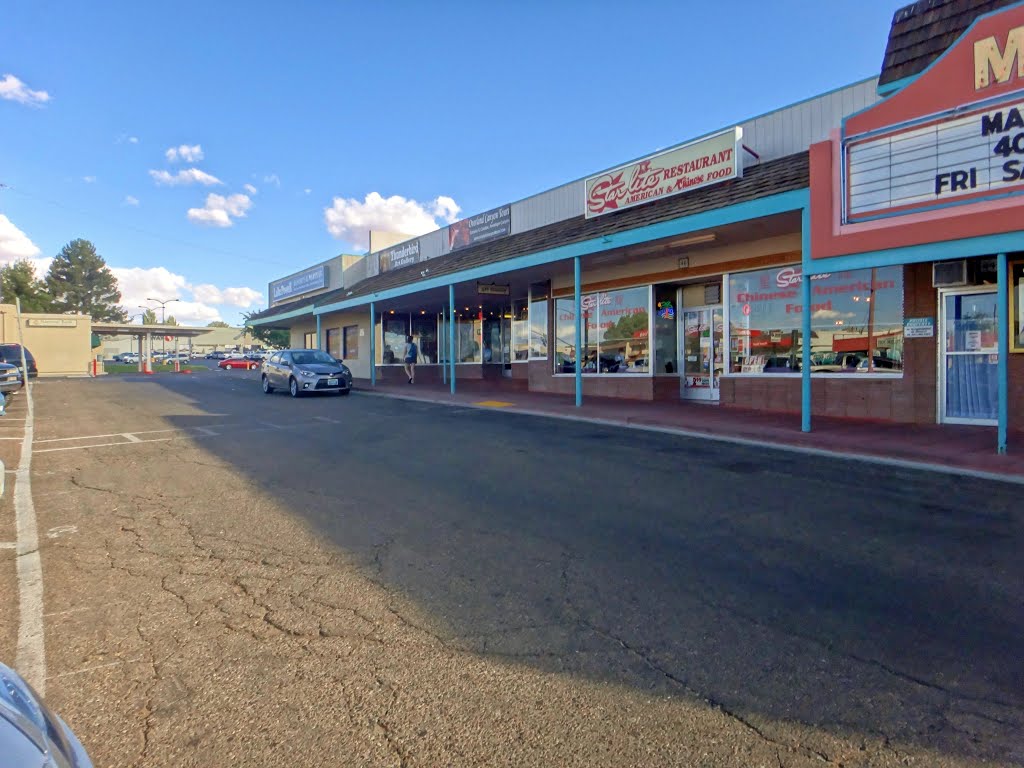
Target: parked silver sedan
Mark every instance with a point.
(305, 371)
(31, 735)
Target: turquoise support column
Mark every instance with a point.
(319, 340)
(442, 363)
(579, 331)
(1003, 310)
(451, 335)
(373, 345)
(805, 315)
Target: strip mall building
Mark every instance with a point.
(858, 254)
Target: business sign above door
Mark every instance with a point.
(691, 166)
(304, 282)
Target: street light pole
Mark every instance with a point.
(163, 317)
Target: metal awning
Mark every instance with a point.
(129, 329)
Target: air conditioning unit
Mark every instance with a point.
(949, 274)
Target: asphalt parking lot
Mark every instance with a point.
(231, 578)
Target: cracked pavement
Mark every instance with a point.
(423, 586)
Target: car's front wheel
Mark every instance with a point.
(267, 389)
(293, 388)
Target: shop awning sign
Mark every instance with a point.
(672, 172)
(480, 228)
(491, 289)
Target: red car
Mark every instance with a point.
(238, 362)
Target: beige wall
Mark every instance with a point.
(700, 258)
(59, 343)
(360, 364)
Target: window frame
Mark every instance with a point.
(344, 342)
(727, 302)
(650, 333)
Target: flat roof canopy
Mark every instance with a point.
(128, 329)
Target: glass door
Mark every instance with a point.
(702, 354)
(969, 357)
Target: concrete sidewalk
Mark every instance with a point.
(951, 448)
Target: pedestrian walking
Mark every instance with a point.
(411, 352)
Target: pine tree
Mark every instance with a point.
(80, 281)
(149, 317)
(18, 280)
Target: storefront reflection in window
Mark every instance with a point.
(394, 330)
(616, 332)
(856, 321)
(424, 333)
(521, 330)
(538, 319)
(1017, 306)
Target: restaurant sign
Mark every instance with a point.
(481, 228)
(304, 282)
(682, 169)
(400, 256)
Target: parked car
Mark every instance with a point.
(781, 365)
(218, 355)
(10, 378)
(240, 362)
(130, 357)
(31, 734)
(11, 353)
(305, 371)
(880, 364)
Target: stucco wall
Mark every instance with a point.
(63, 350)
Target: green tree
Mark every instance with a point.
(149, 317)
(80, 281)
(18, 280)
(170, 320)
(278, 338)
(217, 324)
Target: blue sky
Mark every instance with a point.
(297, 127)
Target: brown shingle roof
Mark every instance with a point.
(783, 175)
(921, 31)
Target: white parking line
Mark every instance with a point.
(131, 438)
(206, 431)
(30, 658)
(8, 544)
(111, 434)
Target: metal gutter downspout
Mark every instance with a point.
(1003, 312)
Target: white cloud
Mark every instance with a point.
(185, 153)
(183, 178)
(196, 304)
(89, 179)
(12, 89)
(14, 244)
(831, 314)
(232, 297)
(250, 189)
(132, 201)
(307, 191)
(351, 220)
(219, 210)
(272, 178)
(133, 139)
(125, 138)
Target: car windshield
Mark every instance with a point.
(312, 357)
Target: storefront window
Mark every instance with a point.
(394, 329)
(467, 339)
(334, 343)
(309, 340)
(351, 342)
(615, 328)
(856, 321)
(539, 293)
(424, 333)
(520, 330)
(1017, 306)
(665, 329)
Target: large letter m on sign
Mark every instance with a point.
(989, 59)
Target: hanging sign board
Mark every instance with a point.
(490, 289)
(309, 280)
(400, 256)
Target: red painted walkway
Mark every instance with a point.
(971, 449)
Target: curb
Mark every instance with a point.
(924, 466)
